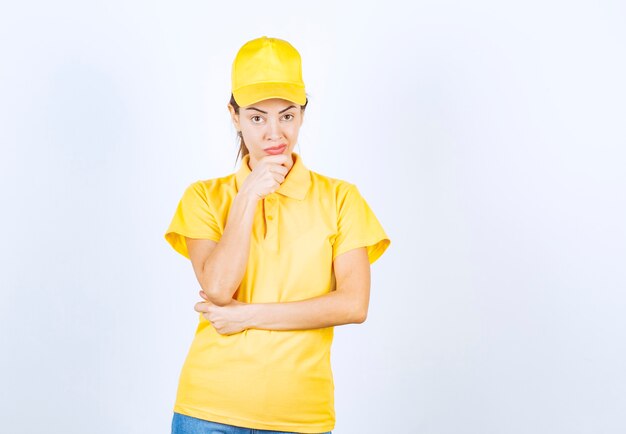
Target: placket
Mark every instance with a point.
(271, 221)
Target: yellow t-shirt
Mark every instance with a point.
(272, 379)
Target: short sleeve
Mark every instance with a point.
(194, 218)
(357, 226)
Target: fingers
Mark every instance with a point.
(279, 179)
(276, 168)
(201, 307)
(278, 158)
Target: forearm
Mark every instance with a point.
(327, 310)
(224, 268)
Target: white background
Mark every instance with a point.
(488, 138)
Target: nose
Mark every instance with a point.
(273, 129)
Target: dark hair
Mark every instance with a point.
(243, 150)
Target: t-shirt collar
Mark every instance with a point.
(295, 185)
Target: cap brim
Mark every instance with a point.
(260, 91)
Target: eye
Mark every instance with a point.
(256, 117)
(289, 114)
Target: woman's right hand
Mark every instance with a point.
(267, 175)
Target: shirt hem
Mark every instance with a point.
(253, 424)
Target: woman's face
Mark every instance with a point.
(266, 124)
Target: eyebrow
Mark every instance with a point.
(283, 110)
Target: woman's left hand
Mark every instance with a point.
(228, 319)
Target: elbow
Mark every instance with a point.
(217, 297)
(360, 317)
(216, 291)
(355, 310)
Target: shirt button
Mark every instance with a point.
(269, 217)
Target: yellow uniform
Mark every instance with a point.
(269, 379)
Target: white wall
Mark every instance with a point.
(488, 137)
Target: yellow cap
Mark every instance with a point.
(267, 68)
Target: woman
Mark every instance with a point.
(282, 254)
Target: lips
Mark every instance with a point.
(276, 148)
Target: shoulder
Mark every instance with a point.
(336, 187)
(214, 188)
(341, 195)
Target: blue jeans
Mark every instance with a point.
(183, 424)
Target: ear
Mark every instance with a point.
(234, 116)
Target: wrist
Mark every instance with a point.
(250, 315)
(248, 197)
